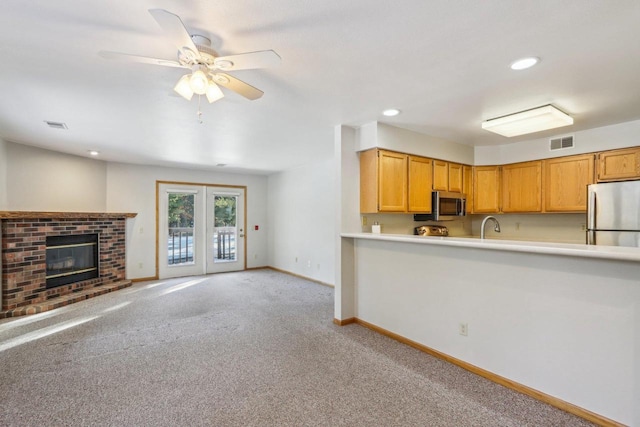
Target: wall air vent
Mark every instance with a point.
(56, 125)
(561, 143)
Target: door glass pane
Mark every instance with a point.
(225, 229)
(181, 228)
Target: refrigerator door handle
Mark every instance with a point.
(591, 209)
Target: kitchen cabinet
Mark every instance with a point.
(440, 175)
(619, 165)
(566, 180)
(522, 187)
(467, 186)
(486, 189)
(455, 177)
(447, 176)
(420, 184)
(383, 181)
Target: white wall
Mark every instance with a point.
(301, 212)
(586, 141)
(43, 180)
(382, 135)
(132, 188)
(347, 174)
(566, 326)
(3, 175)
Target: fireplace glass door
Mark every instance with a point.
(71, 258)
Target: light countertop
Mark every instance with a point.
(565, 249)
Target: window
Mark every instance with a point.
(181, 228)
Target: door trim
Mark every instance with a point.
(160, 182)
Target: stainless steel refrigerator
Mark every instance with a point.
(613, 214)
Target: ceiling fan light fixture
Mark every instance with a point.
(199, 81)
(528, 121)
(213, 92)
(183, 87)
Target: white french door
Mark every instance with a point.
(225, 229)
(201, 229)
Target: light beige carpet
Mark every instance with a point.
(254, 348)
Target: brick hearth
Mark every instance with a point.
(24, 258)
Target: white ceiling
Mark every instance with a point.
(444, 63)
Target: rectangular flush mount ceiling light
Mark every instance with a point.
(529, 121)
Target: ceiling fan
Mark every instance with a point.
(207, 69)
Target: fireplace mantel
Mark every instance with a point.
(69, 215)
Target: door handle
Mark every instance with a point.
(591, 209)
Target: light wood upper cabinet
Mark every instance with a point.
(440, 175)
(420, 184)
(522, 187)
(455, 177)
(383, 181)
(566, 180)
(618, 165)
(486, 189)
(467, 186)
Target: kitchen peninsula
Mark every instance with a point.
(558, 321)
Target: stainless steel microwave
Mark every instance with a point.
(445, 206)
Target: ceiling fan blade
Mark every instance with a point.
(237, 86)
(245, 61)
(142, 59)
(177, 32)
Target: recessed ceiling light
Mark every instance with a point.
(391, 112)
(524, 63)
(93, 152)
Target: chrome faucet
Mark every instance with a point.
(496, 228)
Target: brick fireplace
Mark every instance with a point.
(24, 257)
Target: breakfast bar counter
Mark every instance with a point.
(560, 320)
(553, 248)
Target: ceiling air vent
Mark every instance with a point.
(56, 125)
(561, 143)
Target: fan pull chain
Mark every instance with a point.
(199, 113)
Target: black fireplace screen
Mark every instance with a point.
(71, 259)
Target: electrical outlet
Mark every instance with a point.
(255, 256)
(296, 259)
(517, 226)
(463, 329)
(583, 227)
(140, 265)
(309, 263)
(364, 220)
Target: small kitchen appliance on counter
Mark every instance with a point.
(432, 230)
